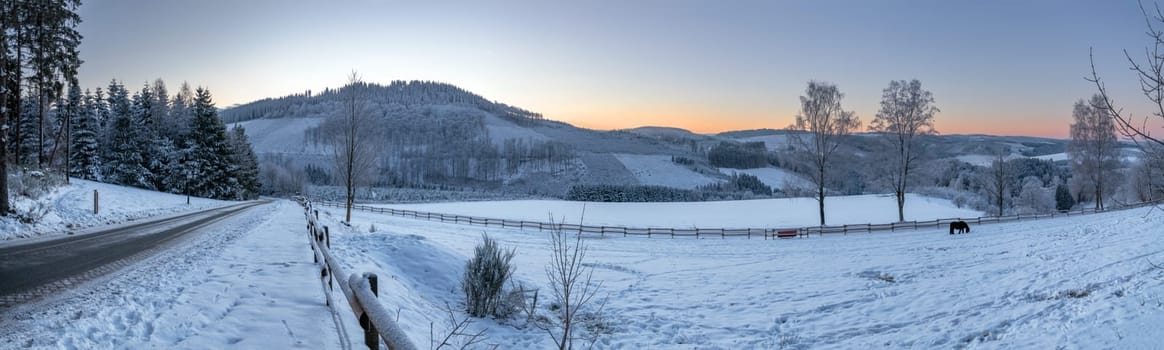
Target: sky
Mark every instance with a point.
(1000, 67)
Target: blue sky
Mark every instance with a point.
(998, 67)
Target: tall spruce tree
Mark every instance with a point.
(248, 164)
(210, 152)
(84, 160)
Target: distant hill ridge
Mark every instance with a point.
(399, 92)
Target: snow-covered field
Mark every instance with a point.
(1076, 282)
(249, 283)
(70, 208)
(758, 213)
(776, 178)
(659, 170)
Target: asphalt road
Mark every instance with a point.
(33, 270)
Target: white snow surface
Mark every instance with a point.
(501, 130)
(248, 283)
(70, 208)
(776, 178)
(758, 213)
(1074, 282)
(659, 170)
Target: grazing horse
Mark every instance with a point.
(961, 226)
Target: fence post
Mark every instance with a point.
(371, 336)
(327, 235)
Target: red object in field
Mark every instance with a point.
(786, 233)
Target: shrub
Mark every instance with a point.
(485, 277)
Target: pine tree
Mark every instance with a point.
(248, 164)
(210, 152)
(124, 163)
(85, 162)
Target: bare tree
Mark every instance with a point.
(571, 283)
(1150, 71)
(996, 183)
(1094, 156)
(907, 111)
(821, 124)
(353, 153)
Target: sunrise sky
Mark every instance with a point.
(996, 67)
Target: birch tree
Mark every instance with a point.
(818, 130)
(1093, 152)
(907, 112)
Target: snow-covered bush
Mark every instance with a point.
(33, 183)
(485, 277)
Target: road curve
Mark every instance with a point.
(30, 271)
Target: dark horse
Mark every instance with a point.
(961, 226)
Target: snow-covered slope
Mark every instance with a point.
(1076, 282)
(766, 213)
(70, 208)
(659, 170)
(776, 178)
(284, 135)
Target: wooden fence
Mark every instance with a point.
(361, 290)
(765, 233)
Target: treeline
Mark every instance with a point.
(739, 186)
(734, 155)
(146, 139)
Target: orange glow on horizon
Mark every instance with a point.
(1056, 128)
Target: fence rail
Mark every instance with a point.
(765, 233)
(360, 290)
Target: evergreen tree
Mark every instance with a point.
(1063, 199)
(85, 162)
(116, 106)
(124, 163)
(248, 164)
(26, 133)
(210, 152)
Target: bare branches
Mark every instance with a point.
(820, 125)
(456, 333)
(572, 287)
(1150, 73)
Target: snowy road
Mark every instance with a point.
(243, 282)
(36, 269)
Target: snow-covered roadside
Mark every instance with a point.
(247, 282)
(1075, 282)
(70, 208)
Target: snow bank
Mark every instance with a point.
(759, 213)
(71, 208)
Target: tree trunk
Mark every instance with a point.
(900, 206)
(820, 202)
